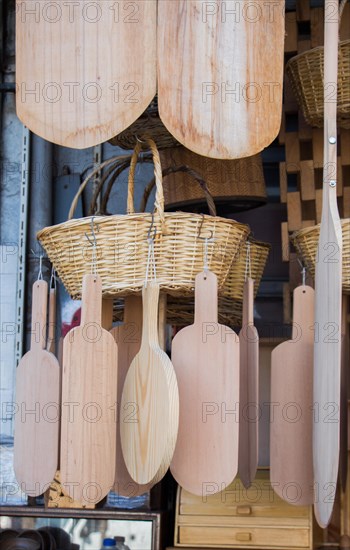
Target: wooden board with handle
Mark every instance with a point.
(248, 390)
(291, 469)
(149, 409)
(206, 361)
(37, 398)
(218, 92)
(85, 71)
(89, 389)
(328, 289)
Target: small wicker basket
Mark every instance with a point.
(306, 74)
(120, 251)
(306, 243)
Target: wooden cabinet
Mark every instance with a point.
(241, 518)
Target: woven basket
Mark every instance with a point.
(306, 242)
(235, 185)
(180, 311)
(148, 125)
(121, 245)
(306, 74)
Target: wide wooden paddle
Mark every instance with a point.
(248, 390)
(328, 288)
(149, 412)
(84, 70)
(89, 389)
(218, 92)
(206, 361)
(344, 395)
(291, 470)
(37, 398)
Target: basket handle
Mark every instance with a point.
(191, 172)
(158, 177)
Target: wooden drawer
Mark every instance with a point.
(248, 537)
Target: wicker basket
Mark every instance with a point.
(235, 185)
(121, 245)
(148, 125)
(306, 242)
(306, 74)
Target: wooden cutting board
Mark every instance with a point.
(206, 361)
(37, 389)
(149, 410)
(219, 94)
(85, 71)
(89, 389)
(328, 288)
(291, 470)
(248, 390)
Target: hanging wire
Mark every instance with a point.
(40, 257)
(248, 263)
(151, 257)
(303, 272)
(53, 278)
(94, 246)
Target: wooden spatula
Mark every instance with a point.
(37, 396)
(51, 331)
(206, 361)
(328, 288)
(89, 389)
(291, 470)
(85, 70)
(150, 402)
(248, 390)
(218, 92)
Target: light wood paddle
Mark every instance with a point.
(150, 402)
(344, 393)
(51, 331)
(89, 389)
(85, 71)
(291, 470)
(248, 390)
(218, 92)
(37, 397)
(206, 362)
(328, 288)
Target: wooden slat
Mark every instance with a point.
(304, 46)
(340, 177)
(317, 27)
(345, 147)
(303, 10)
(346, 202)
(307, 180)
(285, 241)
(290, 44)
(292, 150)
(282, 134)
(287, 304)
(318, 205)
(294, 211)
(317, 147)
(283, 182)
(304, 129)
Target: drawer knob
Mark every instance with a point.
(244, 510)
(244, 537)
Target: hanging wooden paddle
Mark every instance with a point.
(51, 331)
(85, 71)
(219, 93)
(206, 361)
(89, 389)
(291, 471)
(344, 394)
(149, 411)
(37, 397)
(248, 390)
(328, 288)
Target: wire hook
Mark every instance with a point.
(53, 279)
(93, 243)
(303, 272)
(152, 228)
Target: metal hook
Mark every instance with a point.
(40, 258)
(94, 242)
(153, 228)
(53, 279)
(200, 231)
(303, 272)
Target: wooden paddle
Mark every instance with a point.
(344, 393)
(150, 402)
(328, 288)
(85, 71)
(248, 390)
(89, 389)
(291, 471)
(37, 397)
(218, 92)
(51, 331)
(206, 362)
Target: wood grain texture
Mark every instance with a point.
(344, 393)
(218, 92)
(328, 288)
(291, 469)
(206, 361)
(85, 71)
(248, 390)
(37, 398)
(150, 402)
(89, 389)
(51, 330)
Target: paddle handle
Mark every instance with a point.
(303, 313)
(150, 301)
(39, 313)
(206, 298)
(248, 302)
(91, 300)
(51, 333)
